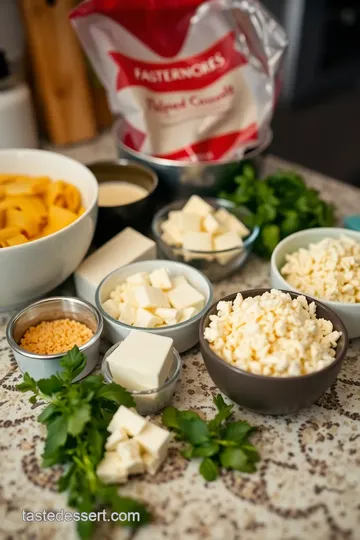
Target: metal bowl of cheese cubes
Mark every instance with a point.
(163, 297)
(281, 351)
(154, 374)
(208, 234)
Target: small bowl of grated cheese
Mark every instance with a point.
(324, 264)
(272, 351)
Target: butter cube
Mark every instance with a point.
(160, 278)
(112, 308)
(168, 314)
(146, 319)
(173, 232)
(128, 297)
(127, 419)
(175, 218)
(231, 222)
(129, 453)
(210, 224)
(225, 241)
(185, 296)
(150, 297)
(111, 469)
(127, 314)
(142, 361)
(190, 222)
(178, 280)
(141, 278)
(187, 314)
(154, 440)
(196, 205)
(152, 463)
(197, 241)
(115, 438)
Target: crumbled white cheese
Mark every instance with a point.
(272, 335)
(329, 270)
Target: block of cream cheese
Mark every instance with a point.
(142, 361)
(126, 247)
(128, 420)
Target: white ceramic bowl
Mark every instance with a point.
(29, 271)
(348, 313)
(186, 334)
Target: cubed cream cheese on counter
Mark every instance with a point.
(185, 296)
(115, 438)
(126, 247)
(127, 420)
(142, 361)
(145, 450)
(197, 205)
(142, 299)
(129, 452)
(111, 470)
(160, 278)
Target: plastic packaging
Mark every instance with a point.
(194, 80)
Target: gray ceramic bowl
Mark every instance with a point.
(272, 395)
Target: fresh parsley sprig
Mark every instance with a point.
(76, 418)
(219, 443)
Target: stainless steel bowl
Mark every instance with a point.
(41, 366)
(182, 179)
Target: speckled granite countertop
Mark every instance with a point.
(308, 483)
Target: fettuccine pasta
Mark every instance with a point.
(32, 207)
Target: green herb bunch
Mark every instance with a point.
(219, 443)
(76, 418)
(281, 204)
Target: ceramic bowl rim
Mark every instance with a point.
(83, 348)
(340, 355)
(163, 329)
(341, 231)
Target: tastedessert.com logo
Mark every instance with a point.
(64, 515)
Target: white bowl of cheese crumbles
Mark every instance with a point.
(323, 263)
(163, 297)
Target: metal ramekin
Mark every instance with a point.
(41, 366)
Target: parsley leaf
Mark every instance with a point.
(78, 419)
(209, 469)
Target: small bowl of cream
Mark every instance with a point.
(125, 196)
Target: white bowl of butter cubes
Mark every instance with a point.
(167, 298)
(209, 234)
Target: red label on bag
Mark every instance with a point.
(189, 74)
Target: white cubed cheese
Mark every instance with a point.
(197, 241)
(231, 222)
(168, 314)
(127, 314)
(196, 205)
(127, 419)
(129, 452)
(115, 438)
(112, 308)
(128, 296)
(142, 361)
(154, 440)
(111, 469)
(160, 278)
(210, 224)
(175, 218)
(126, 247)
(187, 314)
(178, 280)
(185, 296)
(190, 222)
(150, 297)
(146, 319)
(141, 278)
(173, 232)
(226, 241)
(152, 463)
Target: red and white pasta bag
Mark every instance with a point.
(194, 80)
